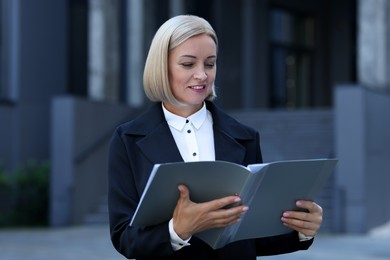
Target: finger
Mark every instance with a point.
(314, 211)
(223, 202)
(296, 218)
(307, 228)
(306, 231)
(223, 218)
(184, 192)
(229, 215)
(306, 225)
(226, 222)
(235, 211)
(305, 216)
(301, 223)
(309, 205)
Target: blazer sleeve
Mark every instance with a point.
(281, 244)
(123, 198)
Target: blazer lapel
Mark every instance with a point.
(159, 146)
(155, 139)
(227, 136)
(227, 148)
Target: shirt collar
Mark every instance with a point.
(178, 122)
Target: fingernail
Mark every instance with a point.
(237, 199)
(244, 209)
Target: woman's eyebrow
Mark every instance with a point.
(187, 56)
(194, 57)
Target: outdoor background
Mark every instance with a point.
(312, 76)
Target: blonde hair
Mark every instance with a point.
(171, 34)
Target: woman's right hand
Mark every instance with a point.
(190, 218)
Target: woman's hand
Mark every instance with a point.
(307, 223)
(190, 218)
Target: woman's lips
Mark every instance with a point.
(198, 87)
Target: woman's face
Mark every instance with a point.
(192, 69)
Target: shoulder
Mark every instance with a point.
(144, 123)
(228, 124)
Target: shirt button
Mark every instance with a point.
(194, 154)
(189, 131)
(187, 121)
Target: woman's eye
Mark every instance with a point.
(188, 65)
(210, 65)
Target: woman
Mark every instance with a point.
(182, 125)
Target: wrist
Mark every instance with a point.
(176, 242)
(182, 234)
(303, 237)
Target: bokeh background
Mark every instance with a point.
(313, 76)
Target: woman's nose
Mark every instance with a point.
(200, 75)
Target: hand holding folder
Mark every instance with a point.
(268, 189)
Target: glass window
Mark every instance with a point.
(291, 57)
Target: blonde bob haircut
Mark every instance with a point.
(171, 34)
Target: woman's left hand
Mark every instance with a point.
(307, 223)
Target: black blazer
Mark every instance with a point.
(139, 144)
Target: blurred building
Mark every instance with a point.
(304, 73)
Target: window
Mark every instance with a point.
(291, 57)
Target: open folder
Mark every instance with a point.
(268, 189)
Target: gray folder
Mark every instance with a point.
(268, 189)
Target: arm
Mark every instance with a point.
(281, 244)
(123, 198)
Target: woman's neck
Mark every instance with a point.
(184, 111)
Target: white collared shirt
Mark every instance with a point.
(193, 135)
(194, 138)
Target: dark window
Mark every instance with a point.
(78, 41)
(291, 57)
